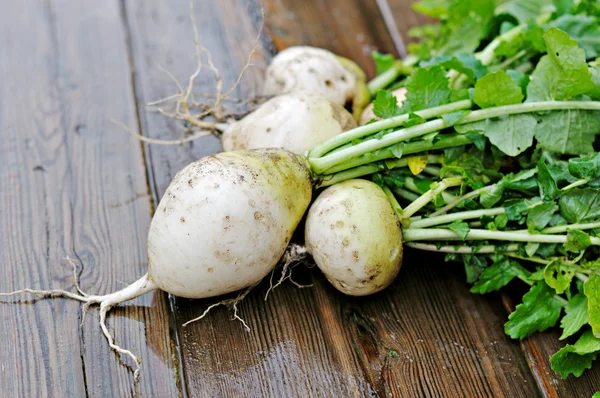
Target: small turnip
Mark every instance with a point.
(296, 122)
(354, 236)
(317, 71)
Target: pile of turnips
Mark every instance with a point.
(483, 144)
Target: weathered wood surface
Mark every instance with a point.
(66, 68)
(72, 184)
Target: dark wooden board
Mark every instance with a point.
(71, 183)
(351, 28)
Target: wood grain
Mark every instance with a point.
(350, 28)
(406, 18)
(72, 184)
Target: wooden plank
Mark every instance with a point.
(350, 28)
(72, 184)
(406, 18)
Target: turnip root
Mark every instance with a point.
(354, 236)
(296, 122)
(222, 225)
(317, 71)
(368, 115)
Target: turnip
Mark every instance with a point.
(296, 122)
(354, 237)
(221, 226)
(317, 71)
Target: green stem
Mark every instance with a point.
(405, 194)
(401, 67)
(537, 260)
(356, 172)
(424, 199)
(375, 127)
(466, 215)
(448, 218)
(452, 205)
(565, 228)
(506, 63)
(483, 234)
(576, 184)
(395, 205)
(328, 161)
(331, 179)
(460, 249)
(406, 149)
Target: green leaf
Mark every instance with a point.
(580, 204)
(511, 134)
(591, 289)
(385, 105)
(383, 62)
(585, 166)
(478, 140)
(474, 266)
(575, 359)
(582, 28)
(497, 89)
(539, 311)
(468, 22)
(426, 88)
(452, 118)
(531, 248)
(463, 63)
(596, 394)
(524, 10)
(520, 78)
(397, 150)
(594, 93)
(461, 228)
(577, 240)
(539, 216)
(576, 315)
(546, 182)
(568, 132)
(433, 8)
(563, 6)
(413, 120)
(559, 275)
(514, 208)
(563, 73)
(496, 276)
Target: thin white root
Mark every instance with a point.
(232, 303)
(183, 105)
(139, 287)
(104, 308)
(149, 140)
(293, 256)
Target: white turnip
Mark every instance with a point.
(296, 122)
(317, 71)
(354, 236)
(222, 225)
